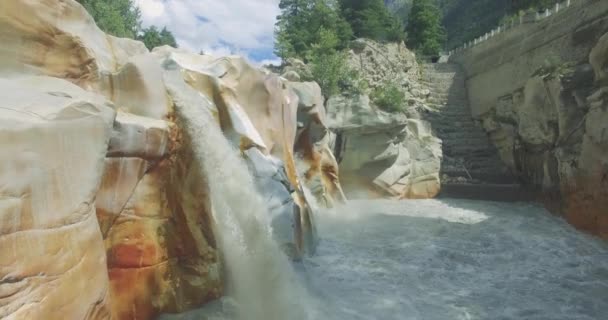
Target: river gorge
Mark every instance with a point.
(165, 184)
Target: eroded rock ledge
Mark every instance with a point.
(103, 210)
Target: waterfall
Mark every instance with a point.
(260, 277)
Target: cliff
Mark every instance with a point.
(385, 153)
(539, 91)
(104, 211)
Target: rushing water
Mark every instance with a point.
(261, 282)
(450, 259)
(419, 259)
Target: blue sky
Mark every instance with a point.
(217, 27)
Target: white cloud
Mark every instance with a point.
(217, 26)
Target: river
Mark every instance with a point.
(447, 259)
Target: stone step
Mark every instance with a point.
(451, 101)
(450, 115)
(447, 128)
(456, 125)
(469, 156)
(449, 107)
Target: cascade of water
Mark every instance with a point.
(260, 278)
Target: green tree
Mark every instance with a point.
(371, 19)
(389, 97)
(120, 18)
(425, 33)
(167, 38)
(300, 23)
(153, 38)
(329, 66)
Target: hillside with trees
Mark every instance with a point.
(372, 20)
(424, 31)
(122, 18)
(318, 32)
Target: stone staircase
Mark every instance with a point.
(471, 166)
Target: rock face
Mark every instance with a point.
(54, 138)
(551, 130)
(379, 152)
(98, 177)
(471, 166)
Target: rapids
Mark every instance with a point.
(380, 259)
(446, 259)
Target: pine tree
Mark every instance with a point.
(167, 38)
(424, 31)
(300, 23)
(371, 19)
(153, 38)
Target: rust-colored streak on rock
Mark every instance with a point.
(161, 250)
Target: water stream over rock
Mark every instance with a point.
(261, 283)
(451, 259)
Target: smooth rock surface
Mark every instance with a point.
(54, 137)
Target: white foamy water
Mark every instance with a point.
(452, 259)
(262, 284)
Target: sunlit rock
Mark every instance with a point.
(138, 88)
(54, 138)
(317, 165)
(59, 39)
(135, 136)
(415, 172)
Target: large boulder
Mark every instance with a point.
(382, 153)
(415, 172)
(54, 139)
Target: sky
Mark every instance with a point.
(218, 27)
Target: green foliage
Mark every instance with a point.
(388, 97)
(153, 38)
(122, 18)
(314, 31)
(329, 66)
(371, 19)
(300, 23)
(119, 18)
(327, 71)
(465, 20)
(425, 33)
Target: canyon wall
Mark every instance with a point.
(539, 90)
(104, 212)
